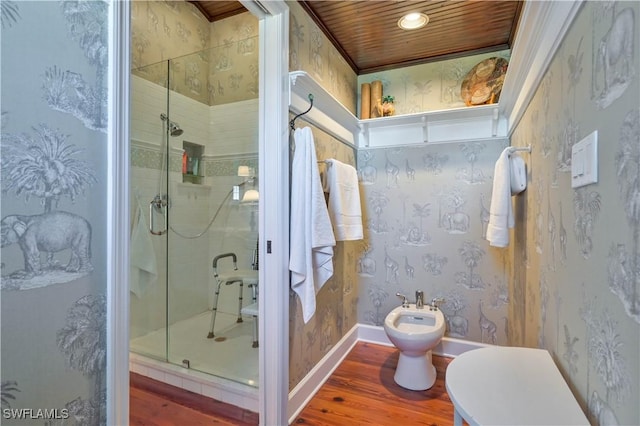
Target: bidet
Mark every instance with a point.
(415, 332)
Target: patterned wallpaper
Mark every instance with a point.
(213, 63)
(428, 87)
(336, 303)
(311, 51)
(569, 280)
(427, 211)
(472, 293)
(576, 289)
(54, 181)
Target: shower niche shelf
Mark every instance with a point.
(192, 163)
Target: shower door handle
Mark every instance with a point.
(162, 206)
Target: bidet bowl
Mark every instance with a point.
(414, 331)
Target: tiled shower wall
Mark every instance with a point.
(229, 137)
(213, 98)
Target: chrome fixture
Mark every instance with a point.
(174, 128)
(435, 303)
(419, 299)
(405, 302)
(160, 204)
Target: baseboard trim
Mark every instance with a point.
(300, 396)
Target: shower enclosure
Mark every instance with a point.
(194, 164)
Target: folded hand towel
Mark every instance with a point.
(344, 201)
(501, 210)
(142, 265)
(311, 235)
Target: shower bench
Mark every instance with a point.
(240, 277)
(510, 386)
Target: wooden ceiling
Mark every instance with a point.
(217, 10)
(367, 35)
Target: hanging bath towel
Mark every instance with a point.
(501, 210)
(311, 235)
(344, 201)
(143, 268)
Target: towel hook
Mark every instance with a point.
(292, 122)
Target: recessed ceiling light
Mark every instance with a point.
(413, 21)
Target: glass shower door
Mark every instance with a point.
(213, 230)
(195, 206)
(148, 252)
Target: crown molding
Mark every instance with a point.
(541, 30)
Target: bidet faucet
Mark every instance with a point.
(435, 303)
(419, 299)
(405, 302)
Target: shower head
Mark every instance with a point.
(174, 128)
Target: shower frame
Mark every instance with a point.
(175, 225)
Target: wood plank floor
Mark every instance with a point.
(153, 403)
(361, 391)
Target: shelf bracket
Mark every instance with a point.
(425, 129)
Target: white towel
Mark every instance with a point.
(344, 201)
(311, 235)
(143, 269)
(501, 210)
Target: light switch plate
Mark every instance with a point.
(584, 161)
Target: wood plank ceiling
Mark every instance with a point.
(367, 34)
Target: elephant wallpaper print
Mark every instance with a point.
(577, 258)
(426, 216)
(52, 226)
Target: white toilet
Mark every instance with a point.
(415, 332)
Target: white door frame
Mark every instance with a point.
(273, 160)
(117, 380)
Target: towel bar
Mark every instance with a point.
(520, 149)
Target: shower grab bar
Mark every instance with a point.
(160, 204)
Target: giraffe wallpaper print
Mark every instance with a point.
(576, 252)
(53, 230)
(568, 281)
(212, 63)
(427, 209)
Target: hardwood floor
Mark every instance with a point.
(361, 391)
(153, 403)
